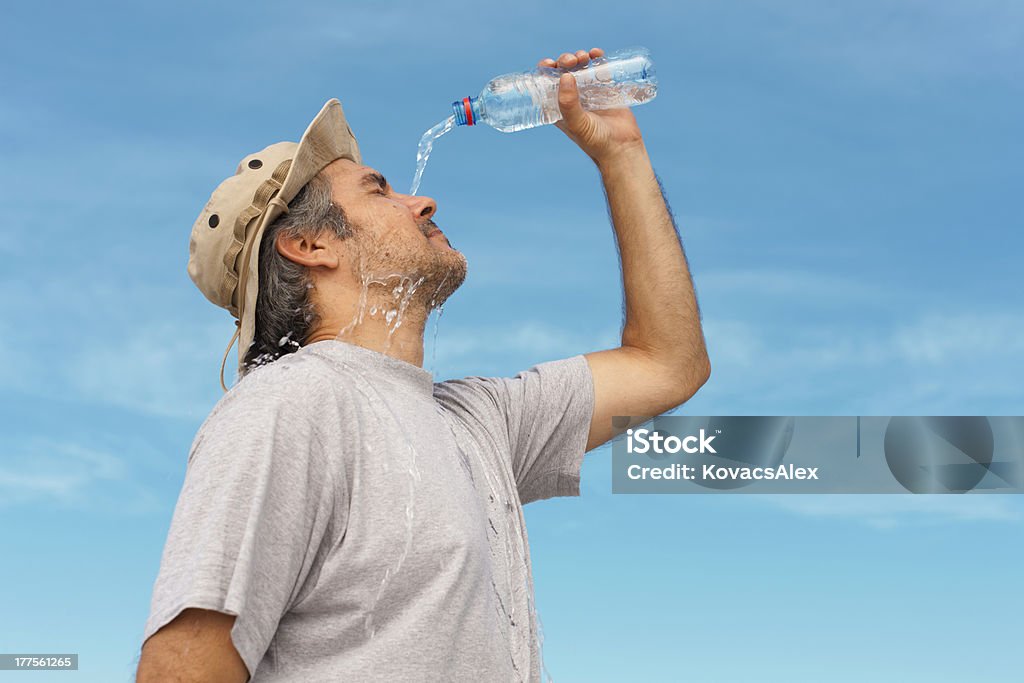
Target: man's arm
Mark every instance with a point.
(195, 647)
(662, 360)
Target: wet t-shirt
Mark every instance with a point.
(365, 523)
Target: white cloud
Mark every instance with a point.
(931, 338)
(165, 369)
(804, 286)
(887, 511)
(465, 350)
(142, 348)
(49, 471)
(940, 338)
(815, 343)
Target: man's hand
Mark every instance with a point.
(603, 133)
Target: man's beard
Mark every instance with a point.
(420, 279)
(446, 273)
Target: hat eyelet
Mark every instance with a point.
(255, 163)
(214, 221)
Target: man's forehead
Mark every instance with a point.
(347, 173)
(346, 167)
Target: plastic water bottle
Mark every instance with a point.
(527, 99)
(523, 100)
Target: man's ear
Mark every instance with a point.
(309, 250)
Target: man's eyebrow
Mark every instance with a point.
(374, 180)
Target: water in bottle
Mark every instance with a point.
(518, 101)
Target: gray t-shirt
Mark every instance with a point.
(364, 523)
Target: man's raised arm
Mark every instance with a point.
(662, 360)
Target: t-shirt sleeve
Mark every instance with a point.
(543, 414)
(255, 508)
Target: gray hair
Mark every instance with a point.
(285, 313)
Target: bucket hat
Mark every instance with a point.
(225, 243)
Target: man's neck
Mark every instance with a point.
(395, 331)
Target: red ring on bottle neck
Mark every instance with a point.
(469, 111)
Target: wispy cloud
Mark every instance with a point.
(806, 286)
(889, 511)
(465, 350)
(936, 363)
(929, 339)
(138, 347)
(39, 470)
(801, 342)
(163, 369)
(936, 338)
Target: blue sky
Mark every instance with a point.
(847, 183)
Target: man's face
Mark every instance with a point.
(394, 235)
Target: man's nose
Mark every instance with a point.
(422, 207)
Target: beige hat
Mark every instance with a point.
(225, 244)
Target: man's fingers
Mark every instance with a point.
(569, 102)
(569, 60)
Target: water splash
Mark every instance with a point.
(372, 395)
(434, 304)
(401, 295)
(540, 646)
(433, 350)
(426, 145)
(515, 555)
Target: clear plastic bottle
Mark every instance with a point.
(518, 101)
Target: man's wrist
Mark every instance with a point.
(622, 156)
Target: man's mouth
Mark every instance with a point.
(430, 229)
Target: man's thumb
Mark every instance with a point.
(569, 101)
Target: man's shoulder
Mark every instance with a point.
(292, 386)
(277, 402)
(559, 371)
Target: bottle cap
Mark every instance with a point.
(467, 111)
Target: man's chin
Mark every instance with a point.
(447, 278)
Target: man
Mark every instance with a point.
(343, 517)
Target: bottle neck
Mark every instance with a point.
(467, 111)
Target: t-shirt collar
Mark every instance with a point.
(374, 362)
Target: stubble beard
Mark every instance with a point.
(418, 281)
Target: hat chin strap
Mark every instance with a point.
(224, 360)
